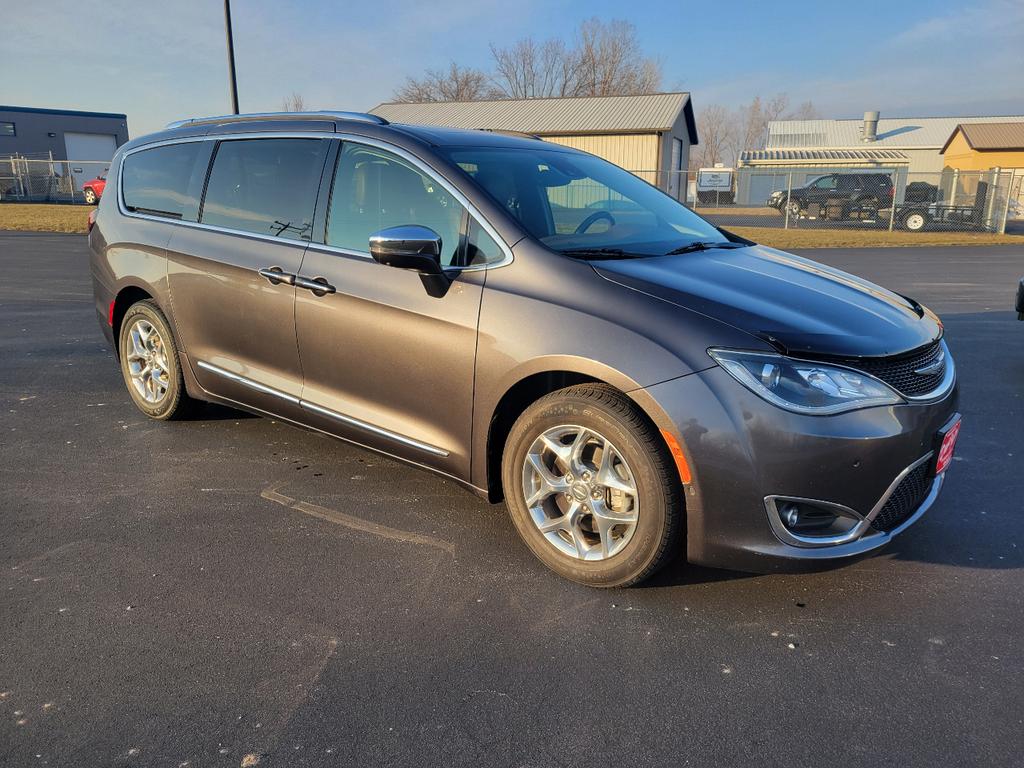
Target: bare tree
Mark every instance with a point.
(806, 111)
(531, 70)
(294, 103)
(605, 59)
(752, 119)
(454, 84)
(611, 62)
(715, 128)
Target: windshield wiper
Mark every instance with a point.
(602, 253)
(703, 246)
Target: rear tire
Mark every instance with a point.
(150, 364)
(90, 197)
(605, 504)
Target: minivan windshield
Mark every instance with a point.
(584, 206)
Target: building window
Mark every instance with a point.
(7, 129)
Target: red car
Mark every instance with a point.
(93, 189)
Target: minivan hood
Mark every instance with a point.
(794, 303)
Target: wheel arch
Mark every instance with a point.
(530, 388)
(125, 298)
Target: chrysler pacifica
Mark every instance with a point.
(533, 323)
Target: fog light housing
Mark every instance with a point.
(803, 517)
(813, 523)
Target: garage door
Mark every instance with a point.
(763, 184)
(85, 147)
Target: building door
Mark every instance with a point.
(675, 183)
(90, 155)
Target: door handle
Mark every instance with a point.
(276, 275)
(318, 285)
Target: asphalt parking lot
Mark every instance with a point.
(233, 591)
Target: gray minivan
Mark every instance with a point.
(536, 324)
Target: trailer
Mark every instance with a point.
(715, 186)
(918, 216)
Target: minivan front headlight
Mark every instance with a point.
(804, 386)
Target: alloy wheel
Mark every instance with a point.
(146, 355)
(580, 492)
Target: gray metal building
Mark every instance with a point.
(62, 134)
(920, 139)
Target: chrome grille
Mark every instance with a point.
(899, 372)
(905, 500)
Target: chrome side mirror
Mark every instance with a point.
(410, 246)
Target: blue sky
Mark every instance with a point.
(159, 61)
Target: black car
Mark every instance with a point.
(836, 190)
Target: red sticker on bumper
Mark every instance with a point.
(947, 447)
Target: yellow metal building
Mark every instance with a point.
(981, 146)
(650, 134)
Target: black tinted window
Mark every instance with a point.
(266, 186)
(156, 180)
(481, 247)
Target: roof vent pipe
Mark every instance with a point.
(870, 130)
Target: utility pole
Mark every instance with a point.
(231, 57)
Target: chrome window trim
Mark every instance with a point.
(353, 138)
(307, 405)
(788, 537)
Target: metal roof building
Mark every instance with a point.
(921, 139)
(649, 134)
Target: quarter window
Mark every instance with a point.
(156, 181)
(481, 248)
(375, 189)
(265, 186)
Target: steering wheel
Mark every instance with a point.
(588, 222)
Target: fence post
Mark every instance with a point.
(892, 205)
(1001, 227)
(1006, 205)
(789, 193)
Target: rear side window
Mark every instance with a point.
(156, 181)
(265, 186)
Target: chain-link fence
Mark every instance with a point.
(893, 199)
(44, 180)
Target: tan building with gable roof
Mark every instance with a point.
(980, 146)
(650, 134)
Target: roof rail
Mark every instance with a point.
(329, 114)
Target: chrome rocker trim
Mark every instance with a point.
(306, 405)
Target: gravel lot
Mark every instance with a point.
(196, 594)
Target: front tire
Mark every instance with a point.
(90, 197)
(150, 364)
(591, 487)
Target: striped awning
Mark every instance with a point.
(823, 156)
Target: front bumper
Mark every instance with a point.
(743, 451)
